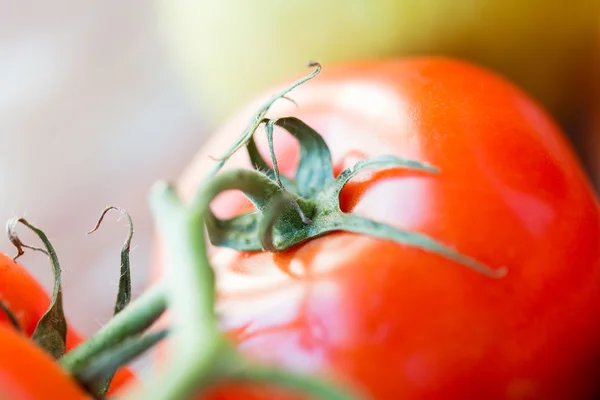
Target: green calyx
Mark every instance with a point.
(288, 212)
(51, 330)
(93, 363)
(293, 211)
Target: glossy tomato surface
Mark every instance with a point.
(27, 373)
(28, 300)
(401, 323)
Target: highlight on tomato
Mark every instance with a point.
(443, 244)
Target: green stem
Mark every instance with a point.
(123, 353)
(191, 279)
(277, 377)
(191, 297)
(135, 318)
(202, 355)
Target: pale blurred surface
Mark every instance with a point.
(90, 116)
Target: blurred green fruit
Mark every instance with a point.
(229, 50)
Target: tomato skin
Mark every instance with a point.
(399, 322)
(26, 298)
(28, 373)
(28, 301)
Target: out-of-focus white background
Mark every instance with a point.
(89, 106)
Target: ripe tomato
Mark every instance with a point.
(28, 301)
(26, 298)
(400, 322)
(26, 372)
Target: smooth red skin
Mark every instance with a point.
(402, 323)
(26, 298)
(28, 373)
(28, 301)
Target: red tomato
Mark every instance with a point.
(26, 298)
(28, 301)
(399, 322)
(26, 372)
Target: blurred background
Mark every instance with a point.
(90, 116)
(100, 98)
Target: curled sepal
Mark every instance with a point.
(315, 169)
(380, 162)
(124, 293)
(257, 118)
(97, 374)
(258, 188)
(12, 318)
(240, 232)
(281, 228)
(261, 165)
(51, 330)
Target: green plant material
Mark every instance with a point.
(93, 375)
(134, 319)
(312, 207)
(100, 384)
(51, 330)
(124, 293)
(258, 118)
